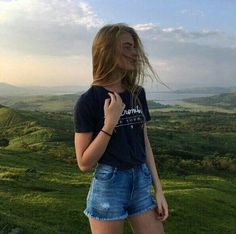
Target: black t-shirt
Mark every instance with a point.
(126, 147)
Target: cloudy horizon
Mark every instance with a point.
(48, 43)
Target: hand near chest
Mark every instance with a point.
(113, 108)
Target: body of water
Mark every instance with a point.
(170, 98)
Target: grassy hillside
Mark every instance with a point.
(187, 142)
(42, 190)
(9, 117)
(36, 131)
(226, 100)
(40, 194)
(183, 141)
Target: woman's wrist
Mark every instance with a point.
(157, 188)
(107, 133)
(108, 128)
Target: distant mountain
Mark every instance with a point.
(207, 90)
(52, 103)
(11, 90)
(226, 100)
(49, 103)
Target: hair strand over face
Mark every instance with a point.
(106, 49)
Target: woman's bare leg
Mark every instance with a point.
(106, 227)
(146, 223)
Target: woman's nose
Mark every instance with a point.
(134, 52)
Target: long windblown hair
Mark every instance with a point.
(106, 50)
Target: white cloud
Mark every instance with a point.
(68, 12)
(216, 38)
(203, 57)
(47, 27)
(190, 12)
(55, 38)
(144, 27)
(184, 34)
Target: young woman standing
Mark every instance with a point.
(110, 132)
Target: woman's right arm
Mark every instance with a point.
(89, 151)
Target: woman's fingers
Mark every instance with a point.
(160, 211)
(106, 104)
(118, 98)
(112, 97)
(164, 215)
(115, 97)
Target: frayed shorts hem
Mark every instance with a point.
(143, 211)
(105, 219)
(120, 217)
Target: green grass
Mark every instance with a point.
(52, 198)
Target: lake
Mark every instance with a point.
(171, 98)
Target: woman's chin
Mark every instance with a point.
(130, 68)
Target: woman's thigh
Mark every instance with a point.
(106, 227)
(146, 223)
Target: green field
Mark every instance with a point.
(43, 191)
(50, 198)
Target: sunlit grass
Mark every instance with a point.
(52, 199)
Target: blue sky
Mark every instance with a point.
(48, 43)
(192, 15)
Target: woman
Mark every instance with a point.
(111, 134)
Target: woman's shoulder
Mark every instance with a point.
(140, 90)
(91, 95)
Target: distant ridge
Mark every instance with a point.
(11, 90)
(48, 103)
(207, 90)
(226, 100)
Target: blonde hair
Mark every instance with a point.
(106, 49)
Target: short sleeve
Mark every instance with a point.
(145, 105)
(84, 115)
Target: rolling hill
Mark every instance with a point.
(51, 103)
(13, 91)
(41, 194)
(226, 100)
(36, 131)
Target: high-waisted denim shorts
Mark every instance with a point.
(116, 194)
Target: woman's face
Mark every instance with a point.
(128, 55)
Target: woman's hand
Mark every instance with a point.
(162, 207)
(113, 108)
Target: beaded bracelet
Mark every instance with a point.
(106, 133)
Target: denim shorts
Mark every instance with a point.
(116, 194)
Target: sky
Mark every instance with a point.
(48, 43)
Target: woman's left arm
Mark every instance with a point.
(160, 198)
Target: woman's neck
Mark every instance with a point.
(115, 87)
(118, 86)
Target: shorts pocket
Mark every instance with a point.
(104, 173)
